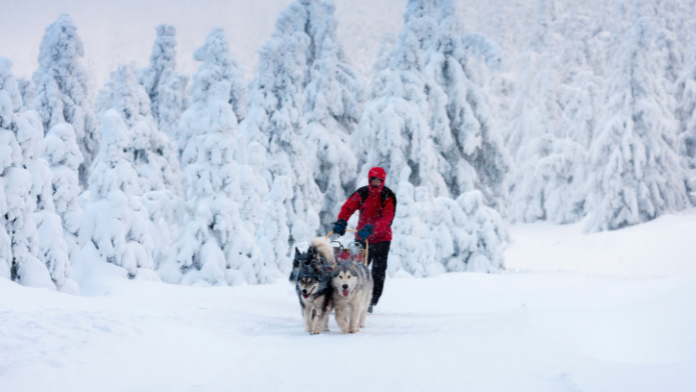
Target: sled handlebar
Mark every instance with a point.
(326, 237)
(367, 244)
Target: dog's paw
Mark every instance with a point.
(354, 330)
(315, 332)
(325, 330)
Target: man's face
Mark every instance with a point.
(375, 182)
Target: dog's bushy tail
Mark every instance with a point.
(324, 249)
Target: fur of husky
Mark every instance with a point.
(352, 285)
(324, 249)
(320, 247)
(313, 287)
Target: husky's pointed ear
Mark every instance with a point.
(297, 252)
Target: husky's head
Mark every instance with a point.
(309, 272)
(345, 279)
(301, 259)
(307, 285)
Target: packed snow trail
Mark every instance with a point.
(514, 331)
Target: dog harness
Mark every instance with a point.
(327, 302)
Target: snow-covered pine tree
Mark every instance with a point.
(149, 150)
(582, 64)
(64, 157)
(464, 131)
(114, 222)
(481, 247)
(668, 22)
(430, 82)
(167, 212)
(686, 113)
(685, 94)
(395, 129)
(10, 159)
(5, 240)
(61, 88)
(582, 61)
(275, 116)
(19, 238)
(273, 233)
(333, 105)
(535, 79)
(165, 87)
(548, 178)
(53, 249)
(11, 98)
(534, 118)
(435, 235)
(27, 90)
(252, 183)
(152, 155)
(412, 249)
(636, 173)
(214, 247)
(385, 47)
(218, 64)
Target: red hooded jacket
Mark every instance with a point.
(377, 207)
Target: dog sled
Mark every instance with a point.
(353, 252)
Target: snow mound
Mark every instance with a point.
(662, 247)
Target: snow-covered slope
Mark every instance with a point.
(665, 247)
(620, 316)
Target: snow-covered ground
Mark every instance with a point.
(614, 311)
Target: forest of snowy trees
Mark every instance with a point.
(210, 179)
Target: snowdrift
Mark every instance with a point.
(620, 316)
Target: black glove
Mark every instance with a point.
(340, 227)
(365, 232)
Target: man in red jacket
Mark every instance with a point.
(377, 205)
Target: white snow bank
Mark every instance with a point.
(480, 332)
(663, 247)
(511, 331)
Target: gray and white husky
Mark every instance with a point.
(312, 274)
(352, 284)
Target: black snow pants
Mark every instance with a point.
(377, 257)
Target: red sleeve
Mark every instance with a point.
(350, 206)
(387, 216)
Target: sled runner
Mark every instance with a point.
(354, 251)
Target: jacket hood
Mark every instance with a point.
(379, 173)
